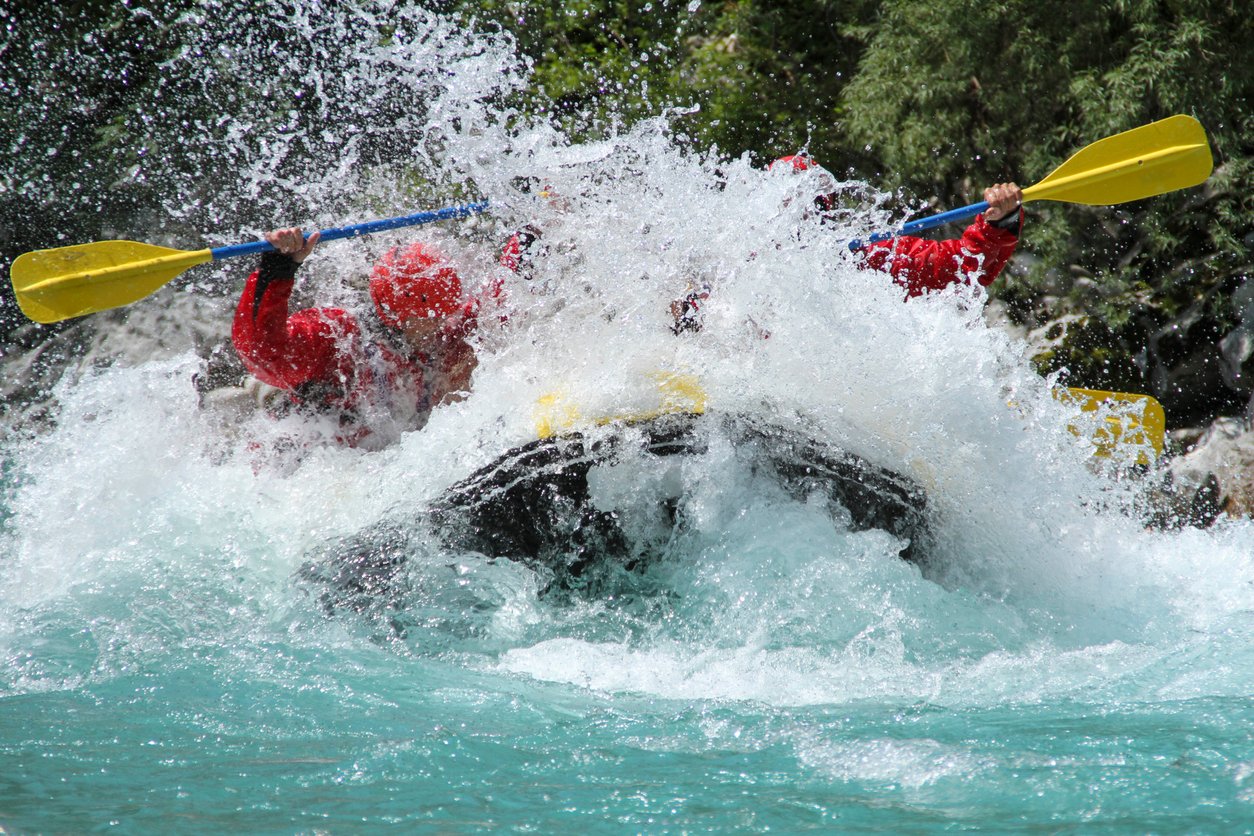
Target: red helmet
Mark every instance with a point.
(804, 162)
(799, 162)
(412, 283)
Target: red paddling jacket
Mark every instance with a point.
(920, 265)
(324, 361)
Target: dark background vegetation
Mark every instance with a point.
(932, 99)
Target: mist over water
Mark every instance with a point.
(162, 659)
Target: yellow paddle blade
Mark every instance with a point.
(1153, 159)
(1134, 429)
(52, 285)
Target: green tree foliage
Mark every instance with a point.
(765, 77)
(769, 77)
(67, 83)
(69, 74)
(597, 64)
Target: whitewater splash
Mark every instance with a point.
(150, 519)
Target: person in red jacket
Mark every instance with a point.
(521, 252)
(983, 250)
(389, 371)
(921, 265)
(917, 264)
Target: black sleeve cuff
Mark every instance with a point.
(275, 267)
(1011, 223)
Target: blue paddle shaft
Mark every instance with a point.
(922, 224)
(416, 219)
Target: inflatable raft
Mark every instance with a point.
(570, 502)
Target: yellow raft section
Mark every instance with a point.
(677, 392)
(1132, 433)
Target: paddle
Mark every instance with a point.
(1160, 157)
(57, 284)
(1134, 431)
